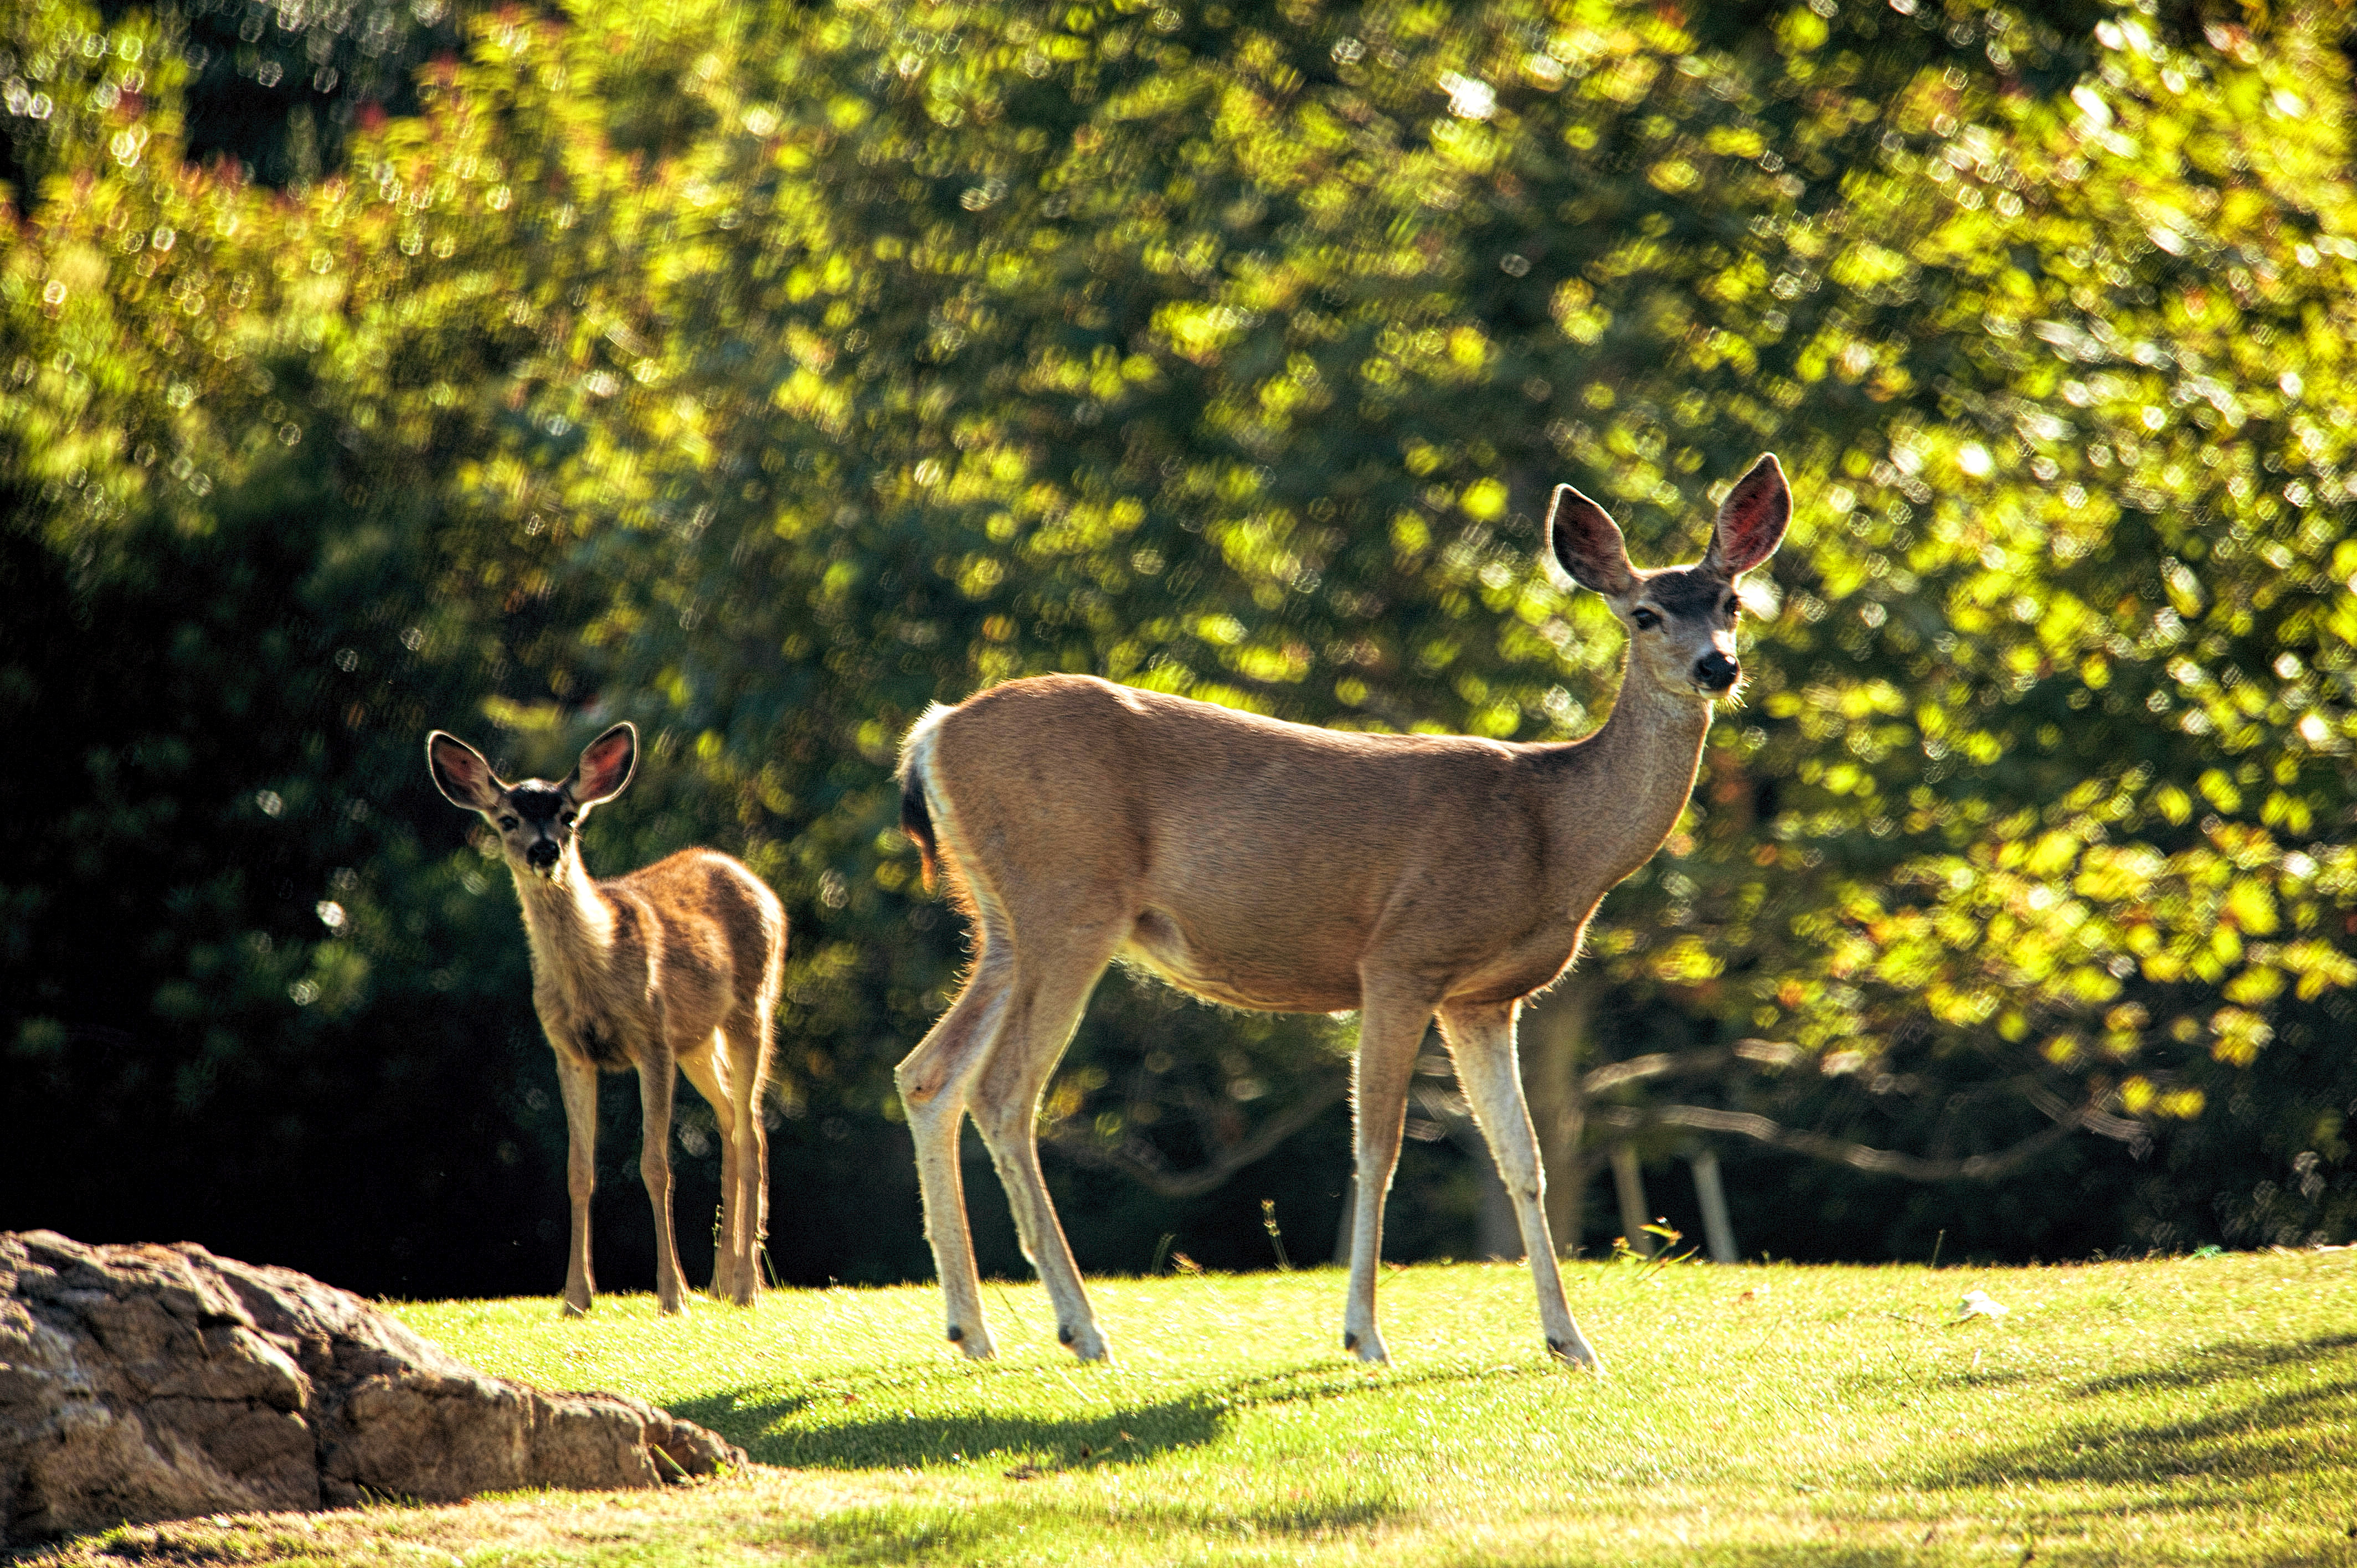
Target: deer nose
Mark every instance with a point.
(1715, 671)
(542, 855)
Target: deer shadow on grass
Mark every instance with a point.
(781, 1431)
(2220, 1362)
(2239, 1435)
(825, 1425)
(966, 1531)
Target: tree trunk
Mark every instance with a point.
(1629, 1182)
(1716, 1230)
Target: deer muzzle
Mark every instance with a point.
(1714, 672)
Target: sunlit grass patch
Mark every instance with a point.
(2174, 1410)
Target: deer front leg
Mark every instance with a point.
(577, 1082)
(1390, 1028)
(708, 1070)
(658, 1076)
(1481, 1038)
(934, 1080)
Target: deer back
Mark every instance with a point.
(1264, 863)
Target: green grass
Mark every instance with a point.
(2176, 1411)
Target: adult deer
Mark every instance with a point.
(1275, 866)
(674, 968)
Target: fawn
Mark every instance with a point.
(677, 965)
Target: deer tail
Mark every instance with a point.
(917, 822)
(916, 814)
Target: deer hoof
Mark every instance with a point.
(1575, 1352)
(1368, 1347)
(977, 1345)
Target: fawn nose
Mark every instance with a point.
(542, 855)
(1715, 671)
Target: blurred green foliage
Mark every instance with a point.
(764, 373)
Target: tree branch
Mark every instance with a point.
(1148, 1167)
(1659, 1064)
(2136, 1134)
(1841, 1151)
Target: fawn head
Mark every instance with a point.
(1680, 619)
(538, 822)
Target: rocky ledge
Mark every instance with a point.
(152, 1382)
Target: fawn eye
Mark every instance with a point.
(1646, 620)
(507, 824)
(569, 816)
(1734, 605)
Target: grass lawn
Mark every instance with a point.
(2176, 1411)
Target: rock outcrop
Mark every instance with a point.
(152, 1382)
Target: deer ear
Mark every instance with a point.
(1588, 545)
(606, 765)
(460, 772)
(1751, 522)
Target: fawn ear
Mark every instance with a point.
(1751, 521)
(606, 765)
(1588, 545)
(460, 772)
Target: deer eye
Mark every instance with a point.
(568, 818)
(1734, 605)
(507, 824)
(1646, 620)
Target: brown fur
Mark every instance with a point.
(674, 968)
(1275, 866)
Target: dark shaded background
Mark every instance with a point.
(215, 736)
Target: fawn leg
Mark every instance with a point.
(577, 1080)
(709, 1071)
(658, 1076)
(747, 1037)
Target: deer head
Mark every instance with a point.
(1680, 619)
(538, 822)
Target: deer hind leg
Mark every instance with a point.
(934, 1080)
(747, 1035)
(1481, 1038)
(1045, 1007)
(1391, 1031)
(658, 1077)
(577, 1082)
(711, 1073)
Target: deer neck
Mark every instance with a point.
(569, 923)
(1644, 763)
